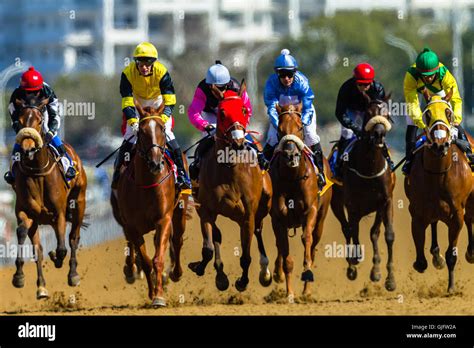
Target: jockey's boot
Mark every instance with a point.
(318, 160)
(71, 171)
(268, 151)
(201, 149)
(387, 157)
(262, 161)
(119, 160)
(9, 176)
(183, 181)
(410, 145)
(341, 147)
(464, 145)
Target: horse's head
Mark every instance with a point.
(232, 116)
(290, 133)
(31, 120)
(151, 136)
(377, 121)
(438, 116)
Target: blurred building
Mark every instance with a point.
(61, 36)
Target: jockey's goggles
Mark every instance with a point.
(146, 61)
(286, 73)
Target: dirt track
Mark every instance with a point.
(103, 290)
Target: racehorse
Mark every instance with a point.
(438, 185)
(234, 187)
(368, 185)
(146, 199)
(44, 198)
(296, 201)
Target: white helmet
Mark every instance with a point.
(217, 74)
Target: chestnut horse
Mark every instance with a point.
(234, 188)
(438, 185)
(368, 185)
(44, 198)
(296, 201)
(147, 200)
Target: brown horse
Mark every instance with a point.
(44, 198)
(237, 189)
(438, 185)
(296, 201)
(147, 200)
(368, 186)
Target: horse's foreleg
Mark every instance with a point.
(147, 264)
(247, 229)
(354, 251)
(418, 228)
(59, 255)
(24, 225)
(284, 259)
(179, 226)
(222, 282)
(438, 259)
(265, 276)
(33, 233)
(375, 274)
(307, 239)
(454, 228)
(207, 220)
(163, 232)
(390, 284)
(75, 237)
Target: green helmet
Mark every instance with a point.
(427, 62)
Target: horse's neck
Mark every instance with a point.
(39, 161)
(435, 164)
(366, 154)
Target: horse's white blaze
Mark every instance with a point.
(237, 134)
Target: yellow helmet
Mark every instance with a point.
(145, 50)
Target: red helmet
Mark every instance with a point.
(31, 80)
(364, 73)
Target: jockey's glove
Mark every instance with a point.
(49, 136)
(209, 128)
(133, 123)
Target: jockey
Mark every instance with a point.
(32, 83)
(351, 106)
(429, 73)
(202, 112)
(289, 86)
(149, 82)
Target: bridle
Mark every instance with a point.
(144, 153)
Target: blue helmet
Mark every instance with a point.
(285, 61)
(218, 74)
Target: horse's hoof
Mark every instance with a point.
(375, 275)
(241, 285)
(469, 257)
(41, 293)
(351, 273)
(222, 282)
(176, 276)
(196, 268)
(58, 263)
(158, 302)
(439, 262)
(307, 276)
(279, 278)
(451, 289)
(265, 277)
(390, 284)
(52, 255)
(420, 266)
(129, 275)
(74, 280)
(18, 281)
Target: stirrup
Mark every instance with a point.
(9, 178)
(71, 173)
(321, 181)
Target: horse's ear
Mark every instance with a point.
(20, 103)
(160, 109)
(426, 94)
(243, 88)
(43, 103)
(217, 92)
(387, 97)
(449, 115)
(299, 107)
(139, 108)
(449, 95)
(278, 108)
